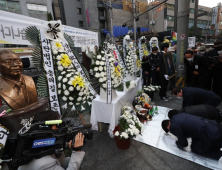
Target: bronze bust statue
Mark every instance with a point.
(16, 90)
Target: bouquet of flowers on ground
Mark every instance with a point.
(129, 124)
(72, 87)
(98, 69)
(141, 98)
(148, 89)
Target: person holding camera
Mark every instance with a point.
(57, 161)
(217, 77)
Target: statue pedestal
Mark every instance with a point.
(12, 120)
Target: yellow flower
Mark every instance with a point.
(145, 52)
(58, 45)
(65, 61)
(138, 63)
(78, 81)
(117, 71)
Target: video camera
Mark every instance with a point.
(40, 140)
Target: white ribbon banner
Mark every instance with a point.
(124, 50)
(78, 66)
(108, 81)
(140, 52)
(49, 68)
(120, 58)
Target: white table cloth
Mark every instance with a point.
(110, 113)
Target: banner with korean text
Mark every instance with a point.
(12, 30)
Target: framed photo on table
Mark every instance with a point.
(169, 64)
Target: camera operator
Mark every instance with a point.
(217, 77)
(56, 161)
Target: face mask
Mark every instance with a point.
(219, 52)
(167, 49)
(190, 59)
(154, 53)
(179, 97)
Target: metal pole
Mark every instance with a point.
(195, 17)
(207, 26)
(111, 18)
(182, 40)
(175, 15)
(134, 21)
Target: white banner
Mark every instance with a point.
(108, 81)
(49, 68)
(13, 26)
(77, 65)
(191, 41)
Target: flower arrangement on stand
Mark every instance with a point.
(143, 49)
(72, 87)
(129, 127)
(98, 69)
(130, 62)
(149, 90)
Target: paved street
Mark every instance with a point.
(103, 154)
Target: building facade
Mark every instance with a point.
(164, 21)
(38, 9)
(95, 15)
(217, 20)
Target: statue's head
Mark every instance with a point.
(10, 64)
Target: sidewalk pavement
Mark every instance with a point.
(103, 154)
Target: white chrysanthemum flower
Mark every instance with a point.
(77, 103)
(104, 85)
(59, 91)
(66, 92)
(60, 68)
(79, 99)
(59, 63)
(64, 98)
(104, 78)
(71, 88)
(97, 75)
(80, 93)
(101, 63)
(84, 98)
(59, 85)
(63, 72)
(68, 75)
(101, 80)
(70, 103)
(116, 133)
(97, 63)
(78, 88)
(58, 57)
(100, 68)
(55, 52)
(99, 56)
(64, 80)
(60, 78)
(96, 69)
(102, 52)
(64, 87)
(71, 98)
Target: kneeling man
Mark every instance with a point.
(206, 134)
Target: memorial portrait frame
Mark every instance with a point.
(170, 56)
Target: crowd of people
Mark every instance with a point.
(203, 68)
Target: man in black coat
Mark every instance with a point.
(196, 96)
(210, 58)
(146, 70)
(217, 77)
(204, 110)
(206, 134)
(164, 78)
(197, 67)
(154, 63)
